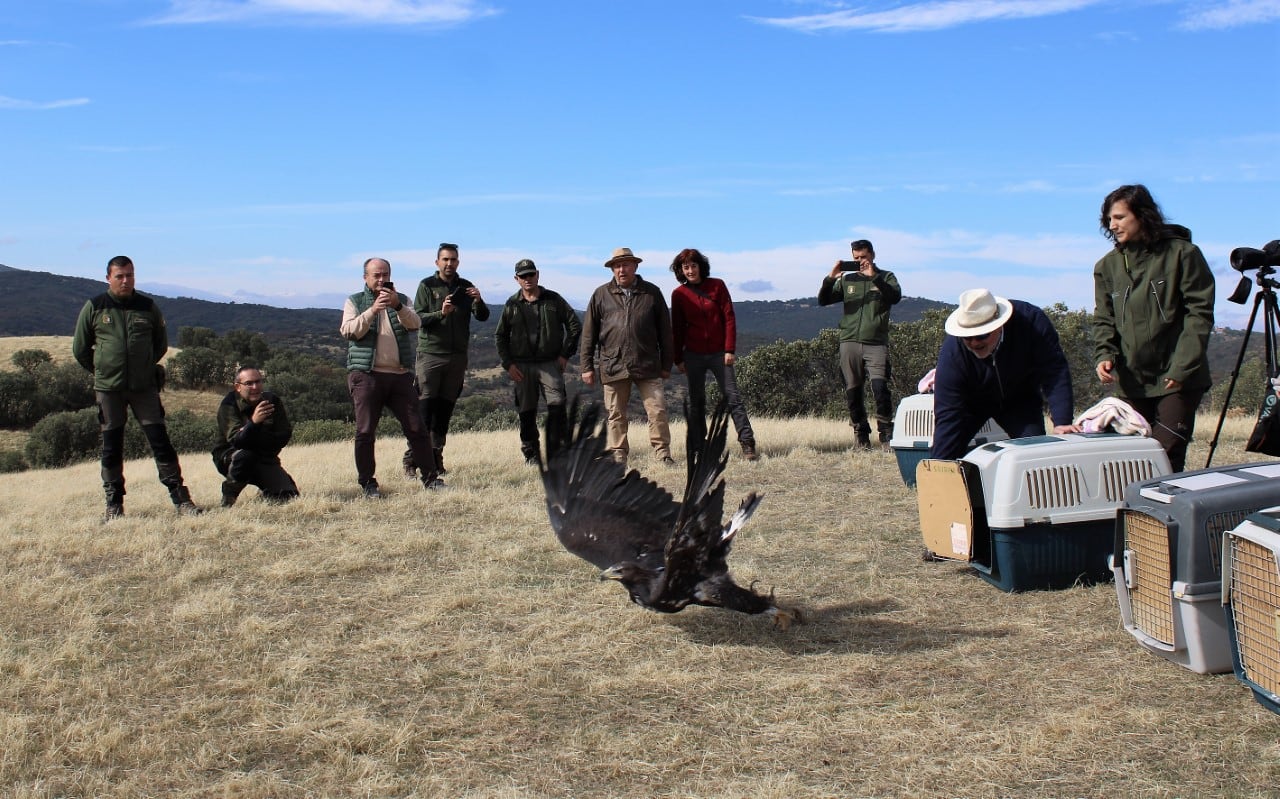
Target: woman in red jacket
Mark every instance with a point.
(705, 334)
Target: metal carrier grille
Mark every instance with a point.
(1053, 487)
(1255, 606)
(1116, 475)
(917, 423)
(1151, 597)
(1215, 526)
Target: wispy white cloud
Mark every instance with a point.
(927, 16)
(1029, 186)
(14, 104)
(117, 148)
(1231, 14)
(359, 12)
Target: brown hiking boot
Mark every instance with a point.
(749, 450)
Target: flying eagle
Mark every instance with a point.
(667, 554)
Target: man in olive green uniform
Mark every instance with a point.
(867, 293)
(445, 302)
(120, 337)
(537, 335)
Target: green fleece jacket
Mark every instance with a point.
(866, 302)
(440, 334)
(1153, 312)
(556, 335)
(120, 341)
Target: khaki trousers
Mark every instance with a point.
(652, 393)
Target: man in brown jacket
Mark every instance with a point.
(626, 338)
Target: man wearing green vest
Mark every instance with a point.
(378, 324)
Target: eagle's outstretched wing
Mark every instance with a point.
(695, 550)
(601, 512)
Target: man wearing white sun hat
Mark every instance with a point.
(1000, 360)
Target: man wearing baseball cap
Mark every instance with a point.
(1000, 360)
(626, 339)
(537, 335)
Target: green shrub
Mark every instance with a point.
(191, 433)
(318, 431)
(65, 387)
(31, 360)
(481, 413)
(63, 438)
(12, 461)
(21, 403)
(200, 367)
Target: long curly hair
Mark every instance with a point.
(690, 256)
(1141, 204)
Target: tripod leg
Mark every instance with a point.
(1235, 373)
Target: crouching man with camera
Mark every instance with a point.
(252, 429)
(867, 293)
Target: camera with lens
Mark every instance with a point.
(1243, 259)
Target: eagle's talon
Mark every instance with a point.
(783, 618)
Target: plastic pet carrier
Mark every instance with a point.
(1037, 512)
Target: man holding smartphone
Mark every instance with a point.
(867, 293)
(446, 303)
(252, 429)
(378, 325)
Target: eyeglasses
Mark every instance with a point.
(982, 337)
(249, 383)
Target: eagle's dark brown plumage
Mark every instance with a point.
(667, 554)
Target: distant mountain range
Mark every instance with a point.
(45, 304)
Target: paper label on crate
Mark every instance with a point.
(959, 539)
(1264, 470)
(1199, 482)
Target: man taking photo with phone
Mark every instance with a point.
(378, 324)
(867, 292)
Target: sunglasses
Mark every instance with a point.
(983, 337)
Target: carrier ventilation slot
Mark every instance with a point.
(1215, 526)
(1053, 487)
(1116, 475)
(1255, 606)
(917, 423)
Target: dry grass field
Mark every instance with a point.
(59, 347)
(443, 645)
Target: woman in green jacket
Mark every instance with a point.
(1153, 313)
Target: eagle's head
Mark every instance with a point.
(637, 579)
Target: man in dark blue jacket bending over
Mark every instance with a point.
(1000, 360)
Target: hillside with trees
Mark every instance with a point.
(787, 365)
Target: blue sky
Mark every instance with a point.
(264, 148)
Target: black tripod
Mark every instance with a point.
(1266, 299)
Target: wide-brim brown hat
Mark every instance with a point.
(622, 254)
(980, 312)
